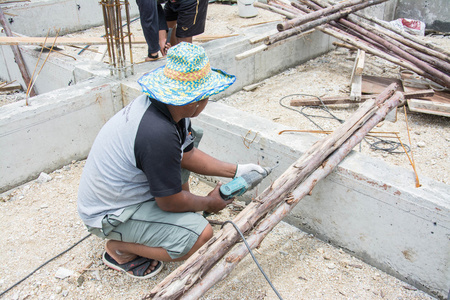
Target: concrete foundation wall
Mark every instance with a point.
(53, 130)
(367, 207)
(434, 13)
(57, 73)
(38, 18)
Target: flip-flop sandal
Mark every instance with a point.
(138, 266)
(152, 57)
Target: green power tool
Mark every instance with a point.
(238, 186)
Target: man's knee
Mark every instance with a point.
(206, 235)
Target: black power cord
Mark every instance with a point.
(253, 256)
(34, 271)
(380, 144)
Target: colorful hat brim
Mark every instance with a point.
(176, 92)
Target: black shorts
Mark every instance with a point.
(189, 14)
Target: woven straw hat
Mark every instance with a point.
(187, 77)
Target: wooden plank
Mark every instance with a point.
(356, 88)
(333, 100)
(312, 101)
(39, 41)
(10, 87)
(356, 78)
(429, 107)
(376, 84)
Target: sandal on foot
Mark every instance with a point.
(152, 57)
(137, 266)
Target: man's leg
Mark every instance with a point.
(147, 231)
(191, 19)
(164, 45)
(124, 252)
(148, 12)
(173, 25)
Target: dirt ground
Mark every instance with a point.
(39, 219)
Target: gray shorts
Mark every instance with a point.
(147, 224)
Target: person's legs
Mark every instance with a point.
(190, 20)
(164, 45)
(124, 252)
(144, 230)
(148, 11)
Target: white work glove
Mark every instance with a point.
(246, 168)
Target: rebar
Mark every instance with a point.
(115, 36)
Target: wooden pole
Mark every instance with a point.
(317, 14)
(185, 276)
(315, 19)
(17, 54)
(224, 268)
(427, 70)
(407, 36)
(439, 60)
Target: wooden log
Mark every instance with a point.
(274, 9)
(301, 7)
(17, 54)
(427, 70)
(340, 34)
(284, 7)
(264, 47)
(185, 276)
(424, 55)
(408, 37)
(221, 270)
(358, 43)
(319, 20)
(317, 14)
(344, 45)
(294, 9)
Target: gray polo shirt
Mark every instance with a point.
(135, 157)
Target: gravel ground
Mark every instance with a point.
(39, 219)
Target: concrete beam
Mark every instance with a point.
(366, 206)
(53, 130)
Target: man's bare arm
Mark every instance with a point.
(199, 162)
(185, 201)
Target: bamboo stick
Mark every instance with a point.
(185, 276)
